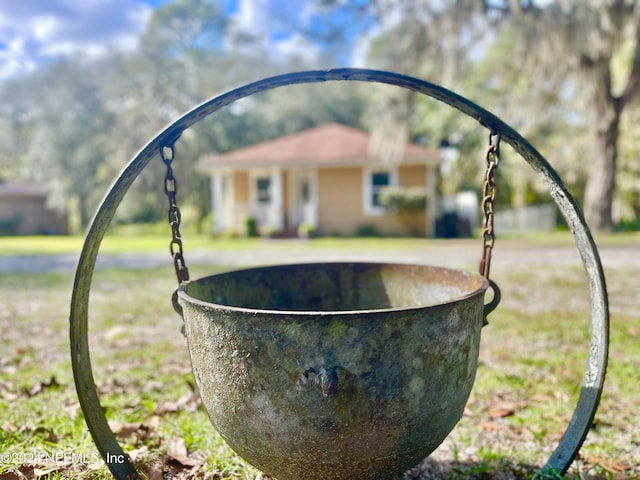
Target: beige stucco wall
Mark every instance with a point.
(286, 179)
(241, 186)
(412, 175)
(340, 199)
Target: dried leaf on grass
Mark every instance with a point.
(156, 475)
(616, 467)
(176, 458)
(178, 453)
(124, 430)
(113, 386)
(137, 453)
(41, 472)
(71, 407)
(8, 427)
(175, 463)
(10, 391)
(45, 433)
(504, 408)
(188, 402)
(7, 390)
(34, 470)
(39, 387)
(137, 432)
(25, 471)
(491, 426)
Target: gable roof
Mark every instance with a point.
(328, 144)
(15, 189)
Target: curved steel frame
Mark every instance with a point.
(564, 454)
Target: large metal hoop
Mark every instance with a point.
(593, 382)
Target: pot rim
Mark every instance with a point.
(184, 296)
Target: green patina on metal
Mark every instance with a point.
(334, 370)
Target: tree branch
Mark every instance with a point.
(633, 83)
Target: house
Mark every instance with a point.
(326, 178)
(24, 211)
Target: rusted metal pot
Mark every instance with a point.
(334, 371)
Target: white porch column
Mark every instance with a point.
(276, 210)
(216, 202)
(312, 213)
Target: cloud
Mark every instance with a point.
(252, 16)
(278, 25)
(33, 32)
(297, 45)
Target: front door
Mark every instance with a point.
(267, 198)
(264, 196)
(301, 199)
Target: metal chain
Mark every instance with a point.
(167, 153)
(489, 192)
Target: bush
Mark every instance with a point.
(251, 227)
(367, 230)
(10, 226)
(403, 199)
(306, 230)
(630, 225)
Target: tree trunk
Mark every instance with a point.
(598, 198)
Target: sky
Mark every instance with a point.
(34, 32)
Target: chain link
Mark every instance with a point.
(167, 153)
(489, 192)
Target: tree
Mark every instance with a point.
(14, 131)
(583, 39)
(182, 60)
(440, 42)
(532, 97)
(64, 133)
(628, 184)
(565, 46)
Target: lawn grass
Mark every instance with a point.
(145, 242)
(532, 358)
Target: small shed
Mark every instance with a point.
(24, 211)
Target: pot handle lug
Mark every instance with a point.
(491, 306)
(326, 378)
(178, 308)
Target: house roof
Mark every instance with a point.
(20, 189)
(328, 144)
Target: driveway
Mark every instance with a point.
(460, 254)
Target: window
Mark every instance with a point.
(379, 180)
(263, 185)
(374, 182)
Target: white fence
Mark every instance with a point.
(536, 218)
